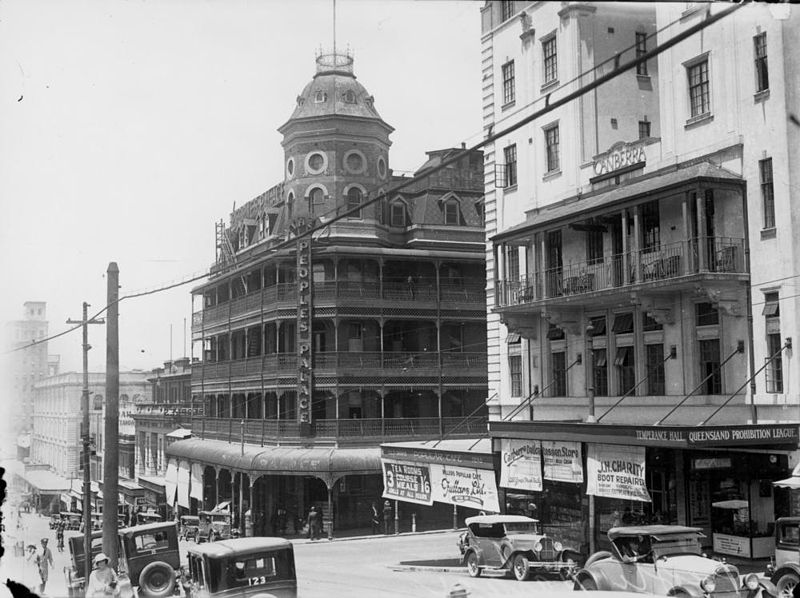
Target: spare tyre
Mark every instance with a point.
(157, 580)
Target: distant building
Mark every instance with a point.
(24, 367)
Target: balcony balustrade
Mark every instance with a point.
(259, 431)
(667, 262)
(372, 362)
(346, 291)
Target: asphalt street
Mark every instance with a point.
(377, 566)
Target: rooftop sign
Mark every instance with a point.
(619, 156)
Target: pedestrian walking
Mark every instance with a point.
(102, 581)
(60, 536)
(45, 562)
(313, 524)
(376, 519)
(387, 516)
(31, 568)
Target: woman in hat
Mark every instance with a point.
(103, 580)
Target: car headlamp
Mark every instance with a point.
(558, 546)
(537, 547)
(708, 585)
(751, 581)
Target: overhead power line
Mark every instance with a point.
(550, 105)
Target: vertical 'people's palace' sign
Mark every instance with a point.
(305, 382)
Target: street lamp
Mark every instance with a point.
(590, 418)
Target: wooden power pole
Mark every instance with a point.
(111, 443)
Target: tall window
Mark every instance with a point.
(508, 82)
(451, 212)
(710, 372)
(506, 9)
(354, 197)
(515, 374)
(644, 129)
(550, 60)
(624, 361)
(699, 98)
(559, 384)
(551, 140)
(600, 372)
(512, 263)
(651, 228)
(767, 192)
(594, 247)
(772, 315)
(762, 71)
(706, 314)
(510, 154)
(398, 214)
(641, 50)
(655, 369)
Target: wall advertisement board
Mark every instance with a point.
(563, 461)
(407, 482)
(616, 471)
(521, 464)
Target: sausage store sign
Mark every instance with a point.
(616, 472)
(407, 482)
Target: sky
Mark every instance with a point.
(130, 127)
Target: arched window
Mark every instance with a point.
(320, 97)
(97, 402)
(354, 197)
(451, 212)
(397, 216)
(316, 196)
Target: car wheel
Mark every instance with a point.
(472, 565)
(157, 580)
(521, 569)
(786, 584)
(585, 583)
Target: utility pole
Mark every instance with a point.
(111, 446)
(87, 478)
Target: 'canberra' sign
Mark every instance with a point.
(616, 472)
(521, 464)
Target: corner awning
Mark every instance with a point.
(583, 206)
(46, 481)
(326, 463)
(792, 482)
(180, 433)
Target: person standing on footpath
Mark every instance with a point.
(376, 519)
(312, 523)
(387, 516)
(102, 581)
(45, 562)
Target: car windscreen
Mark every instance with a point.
(251, 570)
(149, 541)
(522, 527)
(666, 546)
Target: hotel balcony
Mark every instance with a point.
(680, 265)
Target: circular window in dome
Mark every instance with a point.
(316, 162)
(382, 167)
(355, 162)
(290, 167)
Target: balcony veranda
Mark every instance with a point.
(692, 260)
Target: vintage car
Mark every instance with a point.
(189, 525)
(215, 525)
(241, 567)
(513, 543)
(72, 521)
(149, 556)
(784, 571)
(665, 560)
(148, 560)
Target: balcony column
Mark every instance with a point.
(637, 242)
(687, 236)
(626, 260)
(380, 278)
(496, 278)
(702, 241)
(502, 275)
(542, 264)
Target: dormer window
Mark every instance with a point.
(349, 97)
(451, 212)
(398, 214)
(320, 97)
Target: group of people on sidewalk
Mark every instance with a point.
(42, 560)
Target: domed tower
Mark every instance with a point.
(336, 146)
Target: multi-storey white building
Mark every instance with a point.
(642, 261)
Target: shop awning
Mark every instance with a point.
(180, 433)
(792, 482)
(46, 481)
(734, 504)
(326, 463)
(584, 205)
(467, 452)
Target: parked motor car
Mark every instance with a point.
(215, 525)
(188, 527)
(241, 567)
(784, 570)
(666, 560)
(55, 520)
(149, 557)
(149, 516)
(72, 520)
(148, 561)
(516, 544)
